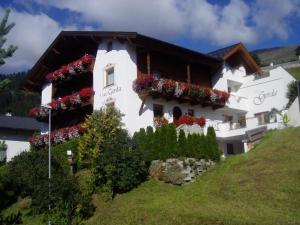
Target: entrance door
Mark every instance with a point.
(177, 113)
(230, 149)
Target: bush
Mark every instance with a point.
(101, 128)
(214, 152)
(29, 170)
(292, 92)
(120, 167)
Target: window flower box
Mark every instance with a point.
(195, 94)
(57, 136)
(75, 68)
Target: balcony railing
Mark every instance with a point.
(183, 92)
(67, 103)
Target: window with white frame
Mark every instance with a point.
(109, 76)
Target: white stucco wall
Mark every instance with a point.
(46, 98)
(17, 142)
(294, 113)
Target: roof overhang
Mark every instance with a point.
(70, 45)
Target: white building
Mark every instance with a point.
(122, 57)
(15, 132)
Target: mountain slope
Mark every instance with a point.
(277, 55)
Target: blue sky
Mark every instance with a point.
(202, 25)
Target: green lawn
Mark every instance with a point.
(295, 72)
(260, 187)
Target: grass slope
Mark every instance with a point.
(295, 72)
(261, 187)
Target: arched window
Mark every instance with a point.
(177, 113)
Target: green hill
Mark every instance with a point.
(260, 187)
(277, 55)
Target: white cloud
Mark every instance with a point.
(198, 20)
(32, 34)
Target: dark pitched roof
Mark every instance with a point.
(222, 52)
(69, 45)
(19, 123)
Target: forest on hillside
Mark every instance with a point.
(12, 98)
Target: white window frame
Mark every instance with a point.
(106, 69)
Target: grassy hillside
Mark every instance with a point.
(260, 187)
(277, 55)
(295, 72)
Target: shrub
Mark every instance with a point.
(292, 92)
(182, 149)
(101, 127)
(212, 145)
(120, 167)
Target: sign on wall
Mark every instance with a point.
(260, 97)
(111, 91)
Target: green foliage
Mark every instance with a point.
(102, 128)
(11, 219)
(4, 29)
(29, 170)
(182, 149)
(120, 166)
(212, 145)
(292, 92)
(297, 51)
(165, 144)
(12, 98)
(256, 58)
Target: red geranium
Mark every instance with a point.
(207, 91)
(86, 93)
(188, 120)
(200, 121)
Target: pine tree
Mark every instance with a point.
(4, 29)
(182, 144)
(149, 150)
(163, 131)
(212, 144)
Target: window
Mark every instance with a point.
(158, 110)
(263, 118)
(109, 46)
(190, 112)
(109, 76)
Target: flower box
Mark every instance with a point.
(73, 69)
(69, 102)
(184, 92)
(57, 136)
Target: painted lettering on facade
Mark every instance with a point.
(260, 98)
(111, 91)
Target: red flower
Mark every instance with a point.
(185, 120)
(87, 59)
(86, 93)
(65, 100)
(49, 76)
(159, 121)
(64, 70)
(200, 121)
(207, 91)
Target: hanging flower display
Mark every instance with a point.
(77, 67)
(57, 136)
(189, 120)
(159, 120)
(71, 101)
(177, 89)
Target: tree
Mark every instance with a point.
(4, 29)
(212, 145)
(171, 141)
(101, 129)
(256, 58)
(298, 51)
(292, 92)
(182, 144)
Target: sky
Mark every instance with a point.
(201, 25)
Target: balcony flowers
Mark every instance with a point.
(68, 71)
(57, 136)
(74, 100)
(159, 121)
(189, 120)
(192, 92)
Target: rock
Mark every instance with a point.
(179, 171)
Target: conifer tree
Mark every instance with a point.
(163, 130)
(149, 150)
(212, 144)
(171, 141)
(4, 29)
(182, 144)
